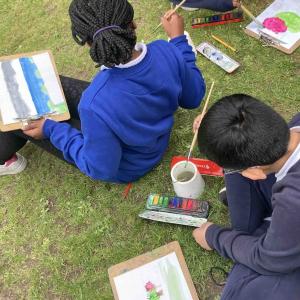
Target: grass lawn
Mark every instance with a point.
(60, 231)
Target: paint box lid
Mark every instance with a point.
(172, 218)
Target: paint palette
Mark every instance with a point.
(219, 19)
(218, 57)
(177, 205)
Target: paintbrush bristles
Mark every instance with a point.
(171, 13)
(202, 115)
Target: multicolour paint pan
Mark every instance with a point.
(219, 19)
(177, 205)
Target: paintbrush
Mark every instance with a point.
(248, 12)
(202, 115)
(171, 13)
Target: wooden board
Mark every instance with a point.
(57, 117)
(148, 257)
(279, 47)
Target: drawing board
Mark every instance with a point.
(29, 88)
(159, 275)
(281, 22)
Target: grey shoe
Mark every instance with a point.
(13, 166)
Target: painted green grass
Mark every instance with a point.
(59, 230)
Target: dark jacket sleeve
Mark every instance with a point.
(295, 121)
(277, 250)
(218, 5)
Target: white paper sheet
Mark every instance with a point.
(164, 274)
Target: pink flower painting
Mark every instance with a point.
(275, 24)
(152, 292)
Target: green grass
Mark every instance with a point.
(61, 231)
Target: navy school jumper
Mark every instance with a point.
(266, 253)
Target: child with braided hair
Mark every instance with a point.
(126, 113)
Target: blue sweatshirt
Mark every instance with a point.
(218, 5)
(273, 249)
(127, 113)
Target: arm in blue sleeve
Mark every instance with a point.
(275, 251)
(218, 5)
(95, 150)
(193, 85)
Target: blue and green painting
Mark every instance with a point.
(37, 88)
(34, 83)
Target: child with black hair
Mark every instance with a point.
(126, 113)
(260, 155)
(217, 5)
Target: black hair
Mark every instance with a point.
(112, 46)
(240, 131)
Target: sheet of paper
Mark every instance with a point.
(47, 72)
(15, 98)
(161, 278)
(289, 12)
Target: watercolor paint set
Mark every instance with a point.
(219, 19)
(177, 210)
(177, 205)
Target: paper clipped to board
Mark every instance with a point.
(281, 25)
(161, 274)
(30, 88)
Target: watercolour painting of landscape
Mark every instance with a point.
(29, 87)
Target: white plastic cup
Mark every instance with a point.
(192, 188)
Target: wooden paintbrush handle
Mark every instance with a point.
(202, 115)
(248, 12)
(194, 141)
(171, 13)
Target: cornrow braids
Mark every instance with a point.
(109, 47)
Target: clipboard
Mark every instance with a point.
(271, 41)
(287, 41)
(146, 259)
(50, 77)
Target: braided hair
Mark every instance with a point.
(109, 47)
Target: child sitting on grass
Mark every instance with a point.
(260, 155)
(126, 113)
